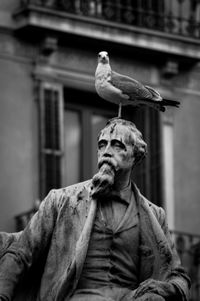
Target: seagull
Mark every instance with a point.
(124, 90)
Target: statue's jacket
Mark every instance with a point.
(47, 257)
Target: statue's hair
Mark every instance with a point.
(139, 145)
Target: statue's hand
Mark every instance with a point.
(161, 288)
(150, 297)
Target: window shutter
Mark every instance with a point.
(51, 137)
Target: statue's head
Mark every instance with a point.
(120, 147)
(125, 134)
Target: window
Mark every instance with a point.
(51, 137)
(72, 147)
(84, 118)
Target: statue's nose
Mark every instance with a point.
(107, 151)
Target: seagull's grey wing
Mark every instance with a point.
(130, 86)
(155, 94)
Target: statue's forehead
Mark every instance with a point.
(118, 132)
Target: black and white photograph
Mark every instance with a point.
(99, 150)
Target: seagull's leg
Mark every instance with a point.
(120, 110)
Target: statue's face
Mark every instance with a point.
(115, 145)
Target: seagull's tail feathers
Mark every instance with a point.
(169, 102)
(162, 103)
(156, 104)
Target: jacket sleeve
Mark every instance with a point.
(178, 276)
(17, 257)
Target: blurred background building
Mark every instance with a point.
(50, 113)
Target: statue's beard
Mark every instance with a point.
(103, 181)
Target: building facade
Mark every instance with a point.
(50, 113)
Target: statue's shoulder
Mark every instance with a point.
(77, 188)
(157, 210)
(74, 191)
(152, 205)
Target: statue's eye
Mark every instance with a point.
(117, 145)
(102, 144)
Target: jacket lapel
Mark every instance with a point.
(84, 208)
(83, 241)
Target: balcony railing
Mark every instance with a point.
(177, 17)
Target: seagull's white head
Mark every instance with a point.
(103, 57)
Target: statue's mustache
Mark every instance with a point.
(108, 161)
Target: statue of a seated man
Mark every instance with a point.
(100, 240)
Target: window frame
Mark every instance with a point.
(50, 179)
